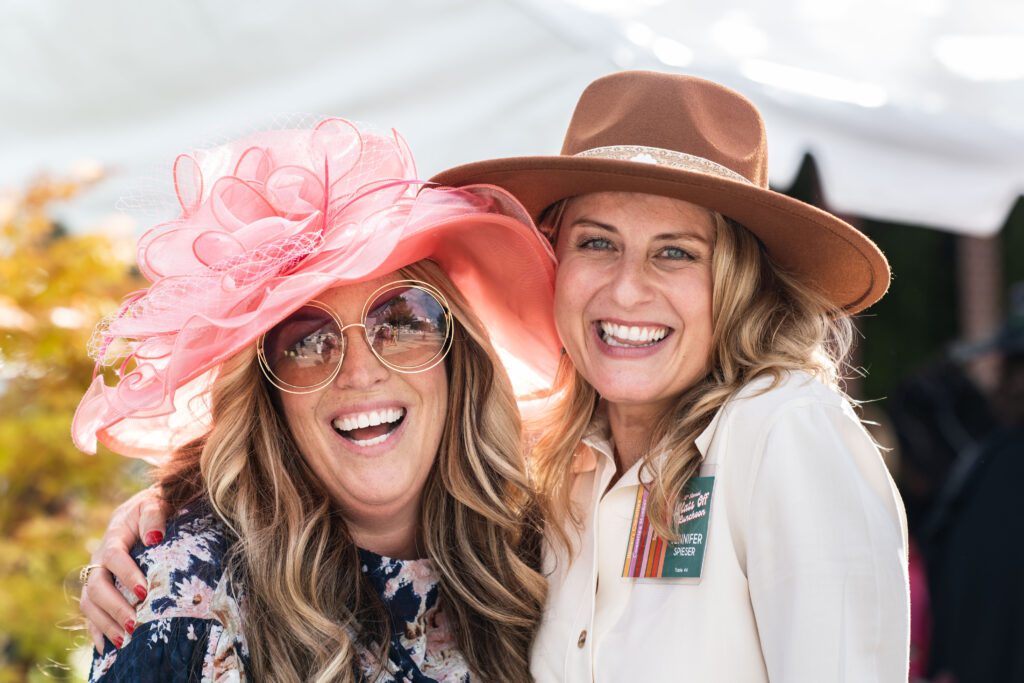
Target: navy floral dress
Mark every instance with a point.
(189, 628)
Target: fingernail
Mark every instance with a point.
(140, 591)
(118, 642)
(129, 626)
(154, 537)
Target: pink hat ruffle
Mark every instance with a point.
(267, 223)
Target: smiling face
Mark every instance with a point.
(372, 434)
(633, 294)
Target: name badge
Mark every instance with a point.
(648, 556)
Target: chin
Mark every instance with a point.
(376, 504)
(625, 395)
(388, 488)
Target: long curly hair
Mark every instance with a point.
(308, 605)
(765, 320)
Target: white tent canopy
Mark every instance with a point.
(913, 111)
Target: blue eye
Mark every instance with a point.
(595, 243)
(676, 254)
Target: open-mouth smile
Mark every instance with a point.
(371, 427)
(623, 336)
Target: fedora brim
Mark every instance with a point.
(826, 252)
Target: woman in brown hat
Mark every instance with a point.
(717, 511)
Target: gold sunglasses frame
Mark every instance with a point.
(397, 284)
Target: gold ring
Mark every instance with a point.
(83, 576)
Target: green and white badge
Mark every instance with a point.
(650, 556)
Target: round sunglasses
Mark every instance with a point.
(407, 325)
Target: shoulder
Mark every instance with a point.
(795, 455)
(762, 402)
(795, 412)
(766, 395)
(195, 547)
(187, 572)
(189, 625)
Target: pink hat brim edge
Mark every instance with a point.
(516, 311)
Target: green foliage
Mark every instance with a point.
(54, 500)
(400, 312)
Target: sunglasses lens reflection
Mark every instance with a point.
(304, 349)
(407, 327)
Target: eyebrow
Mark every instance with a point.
(661, 236)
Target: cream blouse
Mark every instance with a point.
(804, 574)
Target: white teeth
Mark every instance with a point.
(370, 419)
(371, 442)
(615, 334)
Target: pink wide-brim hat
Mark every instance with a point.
(267, 223)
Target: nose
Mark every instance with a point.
(360, 368)
(630, 284)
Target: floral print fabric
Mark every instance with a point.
(423, 646)
(189, 628)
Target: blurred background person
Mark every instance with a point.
(973, 531)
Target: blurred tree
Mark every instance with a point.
(54, 500)
(400, 312)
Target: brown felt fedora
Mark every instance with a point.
(688, 138)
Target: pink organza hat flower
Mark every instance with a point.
(267, 223)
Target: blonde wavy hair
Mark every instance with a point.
(306, 599)
(766, 322)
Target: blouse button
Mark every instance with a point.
(583, 639)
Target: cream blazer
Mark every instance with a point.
(805, 567)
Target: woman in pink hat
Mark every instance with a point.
(341, 510)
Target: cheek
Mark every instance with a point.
(432, 387)
(298, 415)
(695, 310)
(570, 299)
(426, 441)
(698, 311)
(440, 393)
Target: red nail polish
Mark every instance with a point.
(118, 642)
(154, 537)
(140, 591)
(129, 626)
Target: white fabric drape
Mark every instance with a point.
(912, 110)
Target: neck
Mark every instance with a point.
(392, 535)
(631, 427)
